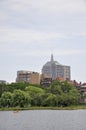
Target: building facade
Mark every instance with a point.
(3, 82)
(45, 80)
(55, 70)
(28, 76)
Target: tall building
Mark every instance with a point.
(56, 70)
(28, 76)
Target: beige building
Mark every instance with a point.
(28, 76)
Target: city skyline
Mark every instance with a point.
(31, 30)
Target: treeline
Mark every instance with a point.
(27, 95)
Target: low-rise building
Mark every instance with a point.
(3, 82)
(28, 76)
(46, 80)
(83, 93)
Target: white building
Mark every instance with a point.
(55, 70)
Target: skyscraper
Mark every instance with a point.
(56, 70)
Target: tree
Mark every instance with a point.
(75, 95)
(66, 86)
(51, 100)
(56, 89)
(33, 91)
(6, 99)
(21, 86)
(20, 98)
(3, 88)
(36, 94)
(66, 93)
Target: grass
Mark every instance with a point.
(45, 108)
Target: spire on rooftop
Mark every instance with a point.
(52, 58)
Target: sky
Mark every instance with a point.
(32, 30)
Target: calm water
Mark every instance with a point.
(43, 120)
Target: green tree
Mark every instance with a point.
(51, 100)
(35, 94)
(21, 86)
(6, 99)
(75, 95)
(37, 100)
(20, 98)
(66, 86)
(3, 88)
(56, 90)
(66, 93)
(33, 91)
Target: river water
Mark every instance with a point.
(43, 120)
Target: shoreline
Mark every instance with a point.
(81, 107)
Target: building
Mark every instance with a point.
(3, 82)
(28, 76)
(45, 80)
(83, 93)
(56, 70)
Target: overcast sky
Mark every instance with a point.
(30, 30)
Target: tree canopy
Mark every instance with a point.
(25, 94)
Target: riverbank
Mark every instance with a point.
(44, 108)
